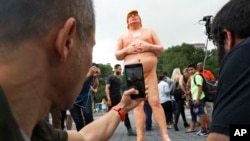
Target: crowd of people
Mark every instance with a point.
(173, 105)
(60, 47)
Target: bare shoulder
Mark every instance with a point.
(149, 30)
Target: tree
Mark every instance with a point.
(176, 56)
(106, 70)
(181, 56)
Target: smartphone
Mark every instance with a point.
(135, 79)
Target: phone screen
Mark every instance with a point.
(135, 79)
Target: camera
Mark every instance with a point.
(208, 24)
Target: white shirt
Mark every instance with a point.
(164, 90)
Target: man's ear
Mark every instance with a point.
(229, 40)
(65, 38)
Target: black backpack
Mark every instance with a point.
(175, 90)
(209, 89)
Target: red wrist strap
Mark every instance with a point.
(120, 111)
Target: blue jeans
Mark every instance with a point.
(201, 107)
(148, 112)
(82, 113)
(193, 115)
(174, 106)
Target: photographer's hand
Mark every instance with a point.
(108, 123)
(127, 103)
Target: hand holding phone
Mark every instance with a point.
(135, 79)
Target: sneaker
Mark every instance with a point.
(131, 132)
(169, 127)
(208, 129)
(197, 133)
(203, 133)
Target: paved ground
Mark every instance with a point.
(154, 135)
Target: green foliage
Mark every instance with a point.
(176, 56)
(182, 56)
(212, 62)
(124, 83)
(106, 70)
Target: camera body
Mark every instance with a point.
(208, 24)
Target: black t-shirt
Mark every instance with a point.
(232, 103)
(44, 131)
(115, 86)
(9, 130)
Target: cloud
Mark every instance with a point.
(104, 52)
(175, 22)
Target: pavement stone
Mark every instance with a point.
(154, 135)
(120, 133)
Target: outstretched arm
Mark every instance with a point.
(98, 130)
(103, 128)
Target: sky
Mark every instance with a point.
(174, 21)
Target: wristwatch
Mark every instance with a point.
(120, 111)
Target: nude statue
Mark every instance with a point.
(142, 45)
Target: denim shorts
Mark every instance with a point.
(200, 108)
